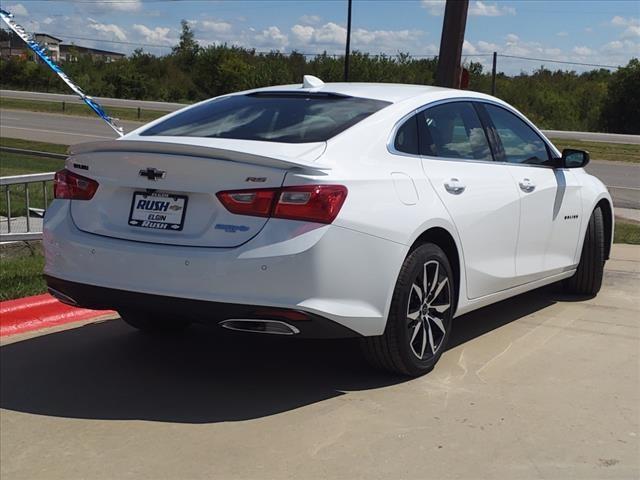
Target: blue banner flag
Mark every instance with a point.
(40, 51)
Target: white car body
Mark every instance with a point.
(502, 240)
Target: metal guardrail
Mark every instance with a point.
(22, 202)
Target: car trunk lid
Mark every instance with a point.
(165, 192)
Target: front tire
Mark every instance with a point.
(153, 323)
(588, 277)
(420, 317)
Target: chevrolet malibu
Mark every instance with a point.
(375, 211)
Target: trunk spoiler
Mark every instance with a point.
(196, 151)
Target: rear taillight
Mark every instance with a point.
(312, 203)
(72, 186)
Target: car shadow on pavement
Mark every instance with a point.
(109, 371)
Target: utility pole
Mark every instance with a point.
(348, 47)
(455, 20)
(493, 73)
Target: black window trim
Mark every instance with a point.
(554, 152)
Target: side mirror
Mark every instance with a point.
(572, 158)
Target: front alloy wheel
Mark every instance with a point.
(419, 323)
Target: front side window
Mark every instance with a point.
(289, 117)
(520, 142)
(453, 130)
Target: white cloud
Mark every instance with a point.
(477, 8)
(487, 47)
(214, 26)
(482, 9)
(17, 9)
(468, 48)
(631, 26)
(612, 46)
(113, 6)
(512, 38)
(272, 37)
(328, 34)
(332, 37)
(618, 21)
(434, 7)
(631, 31)
(582, 51)
(390, 38)
(302, 33)
(111, 30)
(310, 19)
(562, 34)
(158, 35)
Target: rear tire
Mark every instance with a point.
(420, 318)
(588, 277)
(153, 323)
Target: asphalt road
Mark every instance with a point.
(593, 136)
(105, 102)
(538, 386)
(53, 128)
(170, 107)
(67, 129)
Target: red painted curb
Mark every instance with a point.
(41, 311)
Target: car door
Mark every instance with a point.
(478, 193)
(550, 202)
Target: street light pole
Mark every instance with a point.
(348, 46)
(453, 26)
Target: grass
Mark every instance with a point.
(21, 271)
(626, 232)
(622, 152)
(79, 109)
(31, 145)
(20, 164)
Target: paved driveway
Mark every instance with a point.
(540, 386)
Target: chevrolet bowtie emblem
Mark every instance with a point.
(152, 173)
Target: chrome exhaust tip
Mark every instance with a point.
(255, 325)
(62, 297)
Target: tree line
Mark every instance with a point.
(597, 100)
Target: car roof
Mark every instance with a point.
(389, 92)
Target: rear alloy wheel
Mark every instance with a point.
(588, 277)
(419, 322)
(153, 323)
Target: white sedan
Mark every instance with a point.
(377, 211)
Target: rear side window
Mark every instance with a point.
(453, 130)
(270, 116)
(520, 142)
(406, 140)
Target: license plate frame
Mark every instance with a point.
(177, 203)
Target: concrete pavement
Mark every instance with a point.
(539, 386)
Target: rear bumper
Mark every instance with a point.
(200, 311)
(338, 274)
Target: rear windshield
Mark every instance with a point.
(271, 117)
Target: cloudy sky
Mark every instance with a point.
(595, 32)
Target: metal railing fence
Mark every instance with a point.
(24, 199)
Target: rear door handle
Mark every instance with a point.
(527, 185)
(454, 186)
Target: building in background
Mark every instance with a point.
(12, 46)
(71, 53)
